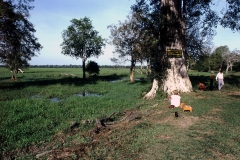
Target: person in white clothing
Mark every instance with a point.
(174, 99)
(220, 80)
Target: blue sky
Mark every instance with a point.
(51, 17)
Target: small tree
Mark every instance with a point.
(217, 59)
(230, 58)
(80, 40)
(92, 68)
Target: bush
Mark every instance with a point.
(92, 68)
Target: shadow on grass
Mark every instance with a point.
(4, 78)
(63, 81)
(140, 80)
(196, 79)
(232, 80)
(36, 72)
(234, 96)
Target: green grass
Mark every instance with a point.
(31, 122)
(28, 116)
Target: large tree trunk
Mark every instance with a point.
(176, 76)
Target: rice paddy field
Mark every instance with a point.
(50, 113)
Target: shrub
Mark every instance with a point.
(92, 68)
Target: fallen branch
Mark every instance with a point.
(43, 153)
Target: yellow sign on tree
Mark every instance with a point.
(174, 53)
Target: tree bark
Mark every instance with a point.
(152, 93)
(84, 68)
(132, 71)
(148, 67)
(141, 69)
(177, 77)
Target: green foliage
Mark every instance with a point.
(211, 61)
(202, 65)
(231, 17)
(236, 67)
(92, 68)
(216, 57)
(19, 43)
(80, 40)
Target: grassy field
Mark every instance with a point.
(38, 109)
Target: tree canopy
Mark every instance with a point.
(17, 41)
(126, 39)
(80, 40)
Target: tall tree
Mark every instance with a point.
(171, 21)
(125, 37)
(80, 40)
(17, 41)
(164, 21)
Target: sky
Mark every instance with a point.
(51, 17)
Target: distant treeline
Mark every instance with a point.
(76, 66)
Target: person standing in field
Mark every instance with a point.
(220, 79)
(211, 81)
(174, 99)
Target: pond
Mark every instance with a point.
(82, 94)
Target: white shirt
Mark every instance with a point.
(175, 100)
(219, 76)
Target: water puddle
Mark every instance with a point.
(88, 94)
(117, 80)
(37, 96)
(55, 99)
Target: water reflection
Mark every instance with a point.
(37, 96)
(116, 80)
(88, 94)
(136, 79)
(55, 99)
